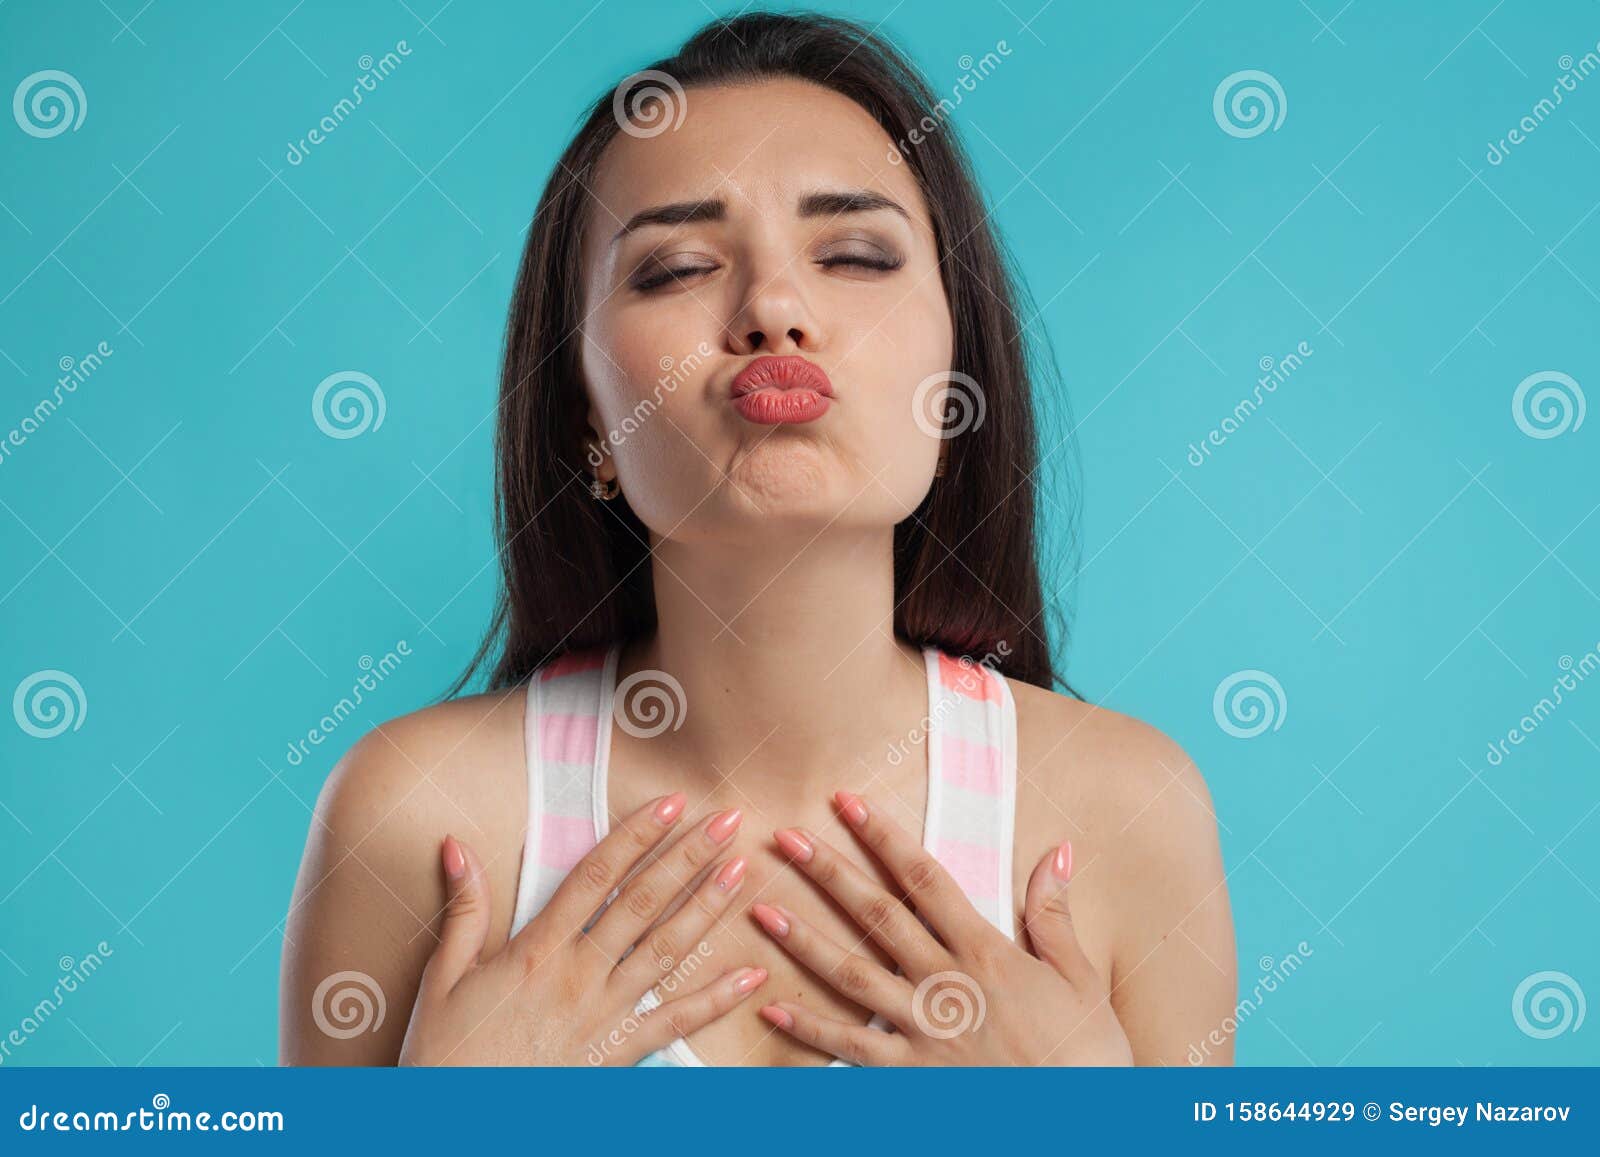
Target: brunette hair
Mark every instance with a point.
(574, 572)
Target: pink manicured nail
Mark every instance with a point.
(749, 979)
(732, 872)
(667, 810)
(722, 827)
(1062, 863)
(770, 918)
(772, 1014)
(855, 812)
(794, 844)
(455, 863)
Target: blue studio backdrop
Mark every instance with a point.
(1322, 283)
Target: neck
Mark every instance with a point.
(791, 672)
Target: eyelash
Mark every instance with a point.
(666, 276)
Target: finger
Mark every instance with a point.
(678, 938)
(602, 868)
(932, 890)
(466, 917)
(645, 897)
(678, 1018)
(1048, 919)
(860, 978)
(855, 1043)
(883, 917)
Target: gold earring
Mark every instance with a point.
(604, 491)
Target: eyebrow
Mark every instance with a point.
(824, 203)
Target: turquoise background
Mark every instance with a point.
(1380, 536)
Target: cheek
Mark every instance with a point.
(646, 383)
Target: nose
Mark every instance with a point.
(775, 317)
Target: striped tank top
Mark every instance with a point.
(970, 734)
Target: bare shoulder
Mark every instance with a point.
(370, 892)
(1147, 860)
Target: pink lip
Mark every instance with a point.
(774, 390)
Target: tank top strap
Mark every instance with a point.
(568, 705)
(972, 781)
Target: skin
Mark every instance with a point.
(775, 597)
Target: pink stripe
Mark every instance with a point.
(564, 840)
(568, 738)
(973, 680)
(573, 662)
(973, 766)
(975, 868)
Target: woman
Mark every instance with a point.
(759, 281)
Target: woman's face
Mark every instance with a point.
(768, 223)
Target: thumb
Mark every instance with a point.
(466, 916)
(1049, 920)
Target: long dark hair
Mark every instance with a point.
(574, 571)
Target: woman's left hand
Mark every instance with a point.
(968, 996)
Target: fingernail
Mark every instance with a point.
(455, 864)
(855, 812)
(772, 1014)
(1061, 864)
(667, 810)
(722, 827)
(749, 979)
(794, 844)
(732, 872)
(770, 918)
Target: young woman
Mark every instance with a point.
(770, 655)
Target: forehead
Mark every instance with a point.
(756, 145)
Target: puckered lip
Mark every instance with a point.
(783, 373)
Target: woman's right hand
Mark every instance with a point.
(559, 995)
